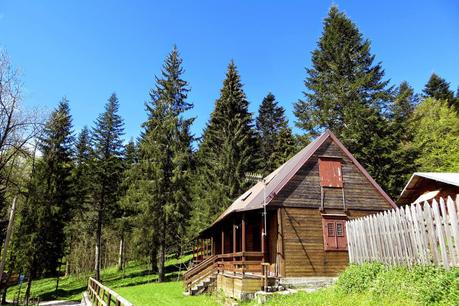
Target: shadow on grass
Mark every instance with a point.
(61, 293)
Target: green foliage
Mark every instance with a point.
(106, 169)
(346, 93)
(358, 278)
(48, 205)
(228, 152)
(426, 285)
(161, 179)
(403, 153)
(435, 127)
(438, 88)
(275, 137)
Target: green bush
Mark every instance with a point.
(358, 278)
(426, 285)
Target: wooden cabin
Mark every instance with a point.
(425, 186)
(290, 225)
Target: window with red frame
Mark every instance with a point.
(334, 231)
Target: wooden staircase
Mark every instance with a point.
(202, 276)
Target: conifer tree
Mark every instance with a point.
(49, 204)
(275, 137)
(162, 175)
(81, 180)
(228, 151)
(107, 168)
(438, 88)
(403, 152)
(346, 93)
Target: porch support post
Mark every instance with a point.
(243, 246)
(212, 249)
(202, 249)
(223, 241)
(234, 243)
(263, 238)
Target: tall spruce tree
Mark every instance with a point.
(162, 175)
(438, 88)
(403, 152)
(228, 151)
(107, 168)
(275, 137)
(346, 93)
(81, 180)
(49, 204)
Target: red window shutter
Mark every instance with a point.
(330, 173)
(334, 233)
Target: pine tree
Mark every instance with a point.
(346, 93)
(403, 152)
(438, 88)
(126, 211)
(275, 137)
(81, 215)
(162, 175)
(107, 168)
(228, 151)
(49, 204)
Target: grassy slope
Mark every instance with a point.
(71, 288)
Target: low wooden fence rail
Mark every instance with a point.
(423, 233)
(102, 295)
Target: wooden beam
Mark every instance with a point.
(243, 246)
(223, 241)
(234, 236)
(263, 237)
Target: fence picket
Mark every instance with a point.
(454, 226)
(419, 233)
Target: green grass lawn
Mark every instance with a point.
(167, 294)
(72, 287)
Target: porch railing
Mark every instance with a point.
(239, 262)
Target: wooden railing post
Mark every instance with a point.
(243, 246)
(234, 243)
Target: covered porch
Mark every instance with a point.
(238, 244)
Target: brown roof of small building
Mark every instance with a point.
(257, 196)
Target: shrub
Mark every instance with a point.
(358, 278)
(426, 285)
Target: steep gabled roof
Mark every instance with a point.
(254, 197)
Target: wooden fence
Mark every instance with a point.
(102, 295)
(424, 233)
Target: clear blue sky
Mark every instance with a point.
(85, 50)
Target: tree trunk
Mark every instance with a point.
(162, 259)
(57, 277)
(67, 266)
(98, 246)
(29, 285)
(153, 261)
(121, 254)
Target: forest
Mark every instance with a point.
(91, 198)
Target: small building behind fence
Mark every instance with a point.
(426, 186)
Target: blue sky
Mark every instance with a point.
(86, 50)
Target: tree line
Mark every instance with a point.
(91, 199)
